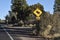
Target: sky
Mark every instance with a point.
(5, 6)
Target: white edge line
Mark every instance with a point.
(8, 34)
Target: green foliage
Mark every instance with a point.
(30, 9)
(38, 5)
(50, 19)
(22, 9)
(58, 1)
(0, 20)
(56, 22)
(45, 20)
(7, 17)
(19, 5)
(24, 12)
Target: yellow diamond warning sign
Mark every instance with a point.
(37, 12)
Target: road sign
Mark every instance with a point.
(37, 12)
(37, 18)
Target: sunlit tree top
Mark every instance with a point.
(57, 1)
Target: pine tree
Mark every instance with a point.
(19, 6)
(57, 6)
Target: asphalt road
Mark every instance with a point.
(3, 34)
(17, 33)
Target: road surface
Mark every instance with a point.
(17, 33)
(3, 34)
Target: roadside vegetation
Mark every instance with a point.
(23, 16)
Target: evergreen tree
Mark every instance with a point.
(19, 6)
(57, 6)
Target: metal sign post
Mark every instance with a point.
(37, 12)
